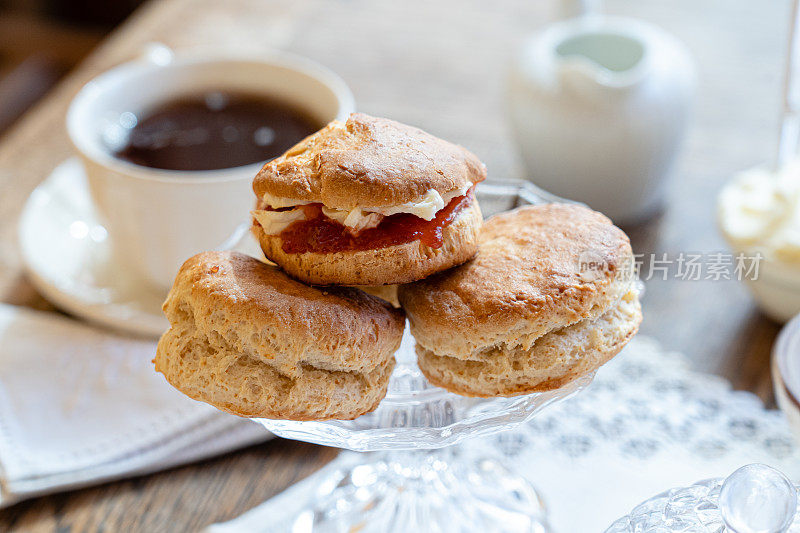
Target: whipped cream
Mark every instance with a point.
(274, 222)
(357, 219)
(759, 210)
(278, 202)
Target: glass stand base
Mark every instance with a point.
(426, 490)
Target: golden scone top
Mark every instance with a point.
(368, 161)
(345, 324)
(527, 279)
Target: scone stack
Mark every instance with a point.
(534, 299)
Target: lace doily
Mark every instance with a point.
(647, 423)
(646, 403)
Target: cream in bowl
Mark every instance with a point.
(758, 213)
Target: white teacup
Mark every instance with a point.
(157, 218)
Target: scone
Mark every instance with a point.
(248, 339)
(368, 202)
(547, 299)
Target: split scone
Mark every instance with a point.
(247, 339)
(547, 299)
(368, 202)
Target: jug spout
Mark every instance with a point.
(600, 61)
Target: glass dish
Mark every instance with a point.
(754, 499)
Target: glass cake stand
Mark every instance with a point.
(416, 479)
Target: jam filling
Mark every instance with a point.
(320, 234)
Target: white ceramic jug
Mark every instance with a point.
(599, 106)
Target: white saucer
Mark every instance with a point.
(68, 257)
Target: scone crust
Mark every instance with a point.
(526, 280)
(250, 340)
(555, 359)
(402, 263)
(239, 385)
(368, 162)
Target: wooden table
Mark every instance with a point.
(438, 65)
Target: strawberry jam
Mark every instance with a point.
(320, 234)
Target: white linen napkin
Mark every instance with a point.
(79, 406)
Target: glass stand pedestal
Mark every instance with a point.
(415, 476)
